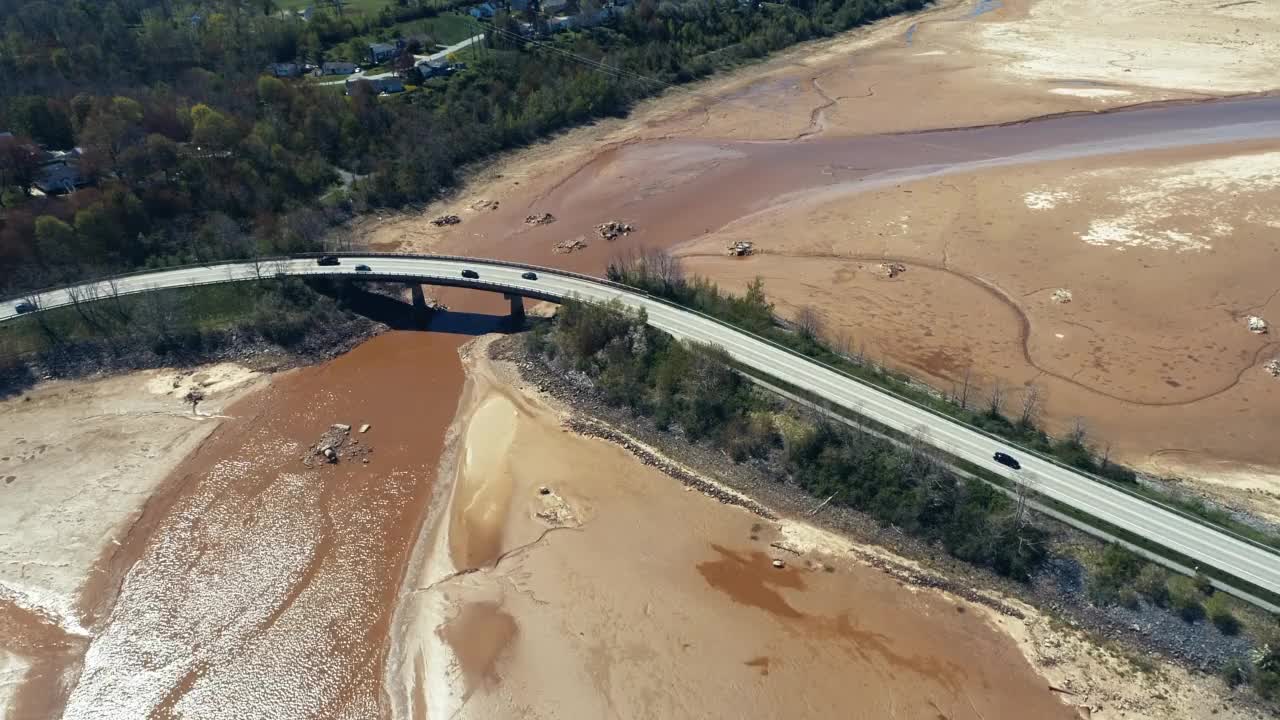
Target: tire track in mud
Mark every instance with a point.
(1024, 322)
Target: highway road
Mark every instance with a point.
(1212, 547)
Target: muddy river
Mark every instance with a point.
(681, 189)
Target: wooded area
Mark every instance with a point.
(191, 153)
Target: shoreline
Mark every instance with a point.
(1037, 607)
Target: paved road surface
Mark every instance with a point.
(416, 59)
(1203, 544)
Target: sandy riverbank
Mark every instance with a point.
(79, 463)
(260, 581)
(620, 592)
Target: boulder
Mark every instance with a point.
(1257, 325)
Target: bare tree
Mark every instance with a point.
(1079, 431)
(113, 290)
(195, 396)
(963, 397)
(1030, 406)
(844, 344)
(809, 322)
(995, 402)
(1020, 519)
(647, 267)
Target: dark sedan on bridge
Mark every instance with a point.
(328, 260)
(529, 275)
(24, 307)
(471, 274)
(1007, 460)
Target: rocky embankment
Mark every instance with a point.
(1058, 588)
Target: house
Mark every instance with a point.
(336, 68)
(382, 52)
(285, 70)
(379, 84)
(60, 172)
(483, 11)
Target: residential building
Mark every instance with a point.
(387, 83)
(285, 70)
(383, 52)
(336, 68)
(60, 172)
(483, 11)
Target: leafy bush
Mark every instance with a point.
(1218, 609)
(1185, 598)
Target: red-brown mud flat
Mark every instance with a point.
(263, 587)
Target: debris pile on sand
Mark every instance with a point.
(564, 247)
(1257, 325)
(1272, 366)
(554, 510)
(446, 220)
(484, 205)
(892, 270)
(613, 229)
(740, 249)
(1061, 296)
(543, 219)
(336, 444)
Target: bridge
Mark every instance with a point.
(1253, 564)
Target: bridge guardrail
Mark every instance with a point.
(636, 291)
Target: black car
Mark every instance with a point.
(529, 275)
(25, 307)
(1007, 460)
(472, 274)
(363, 268)
(327, 260)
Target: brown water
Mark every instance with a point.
(676, 190)
(267, 589)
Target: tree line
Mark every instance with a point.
(193, 155)
(693, 389)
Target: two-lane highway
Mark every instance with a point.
(1235, 556)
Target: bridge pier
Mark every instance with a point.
(517, 309)
(420, 313)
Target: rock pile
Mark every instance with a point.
(741, 248)
(1061, 296)
(1257, 325)
(892, 270)
(484, 205)
(613, 229)
(564, 247)
(336, 444)
(1273, 367)
(446, 220)
(590, 428)
(543, 219)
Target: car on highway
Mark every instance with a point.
(363, 268)
(1007, 460)
(24, 307)
(472, 274)
(529, 275)
(327, 260)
